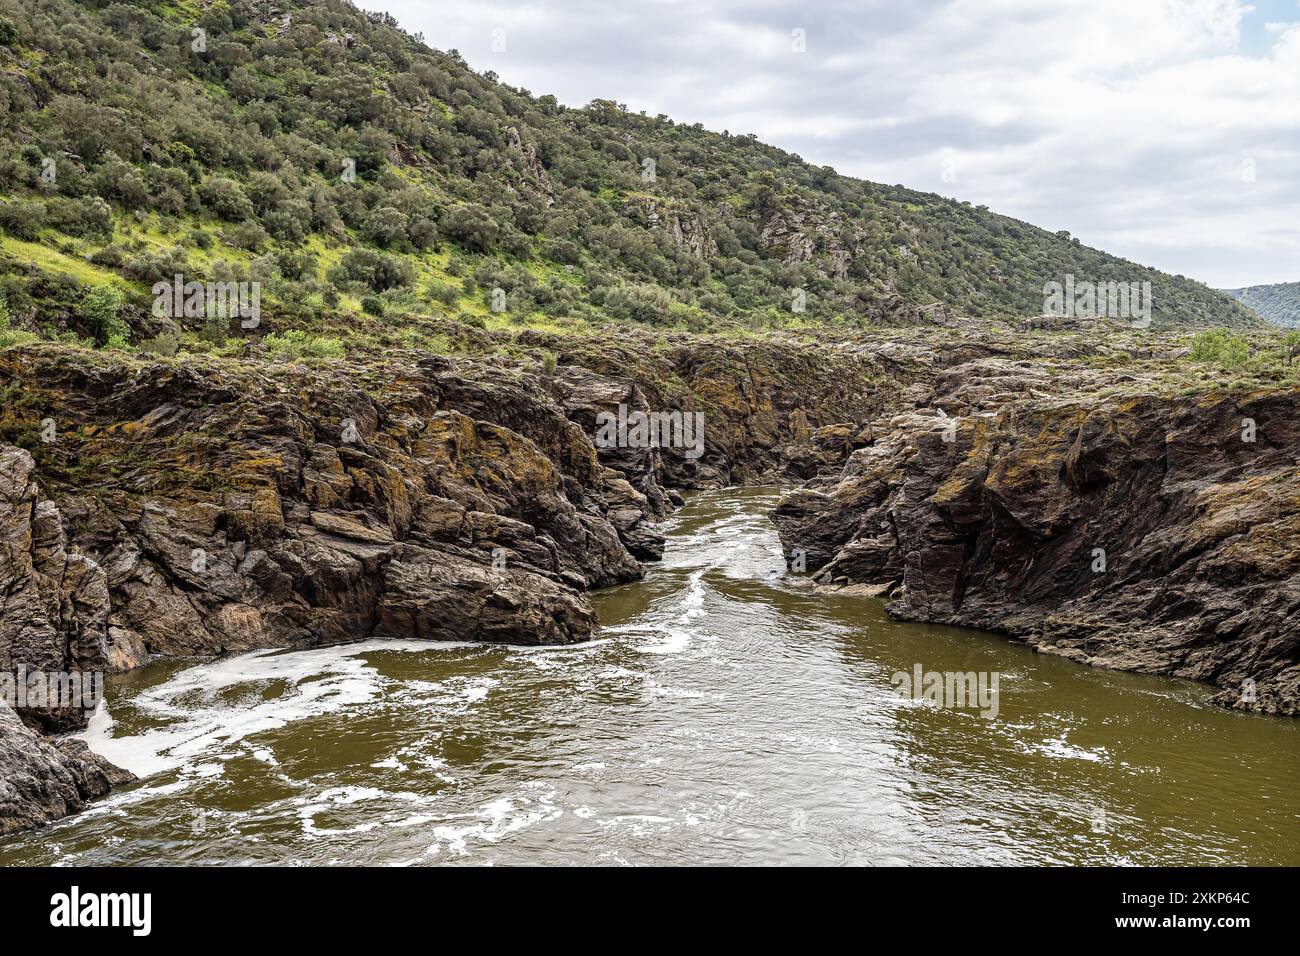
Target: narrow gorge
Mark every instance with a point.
(1061, 489)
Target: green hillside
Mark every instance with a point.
(1278, 303)
(362, 178)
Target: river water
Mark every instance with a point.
(723, 715)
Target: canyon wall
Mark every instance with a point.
(1152, 533)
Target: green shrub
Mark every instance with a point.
(101, 309)
(1220, 347)
(11, 336)
(373, 270)
(299, 344)
(22, 219)
(373, 305)
(472, 226)
(224, 198)
(1291, 346)
(442, 292)
(247, 235)
(166, 344)
(90, 216)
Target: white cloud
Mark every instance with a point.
(1128, 122)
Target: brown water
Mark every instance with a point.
(723, 716)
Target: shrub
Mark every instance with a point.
(90, 216)
(8, 335)
(472, 226)
(1220, 347)
(298, 344)
(639, 303)
(442, 292)
(385, 226)
(373, 305)
(22, 219)
(374, 270)
(247, 235)
(151, 267)
(166, 344)
(224, 198)
(1291, 345)
(100, 309)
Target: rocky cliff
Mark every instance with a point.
(1046, 486)
(53, 602)
(209, 507)
(1147, 532)
(53, 621)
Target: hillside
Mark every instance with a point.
(368, 181)
(1278, 303)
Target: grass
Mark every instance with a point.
(47, 259)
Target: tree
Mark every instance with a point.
(473, 226)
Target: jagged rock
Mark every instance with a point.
(686, 228)
(532, 165)
(432, 596)
(41, 781)
(53, 602)
(1139, 533)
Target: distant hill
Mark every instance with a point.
(1278, 303)
(356, 172)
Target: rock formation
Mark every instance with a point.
(53, 603)
(42, 780)
(1044, 486)
(1136, 531)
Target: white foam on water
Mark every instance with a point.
(1061, 749)
(676, 635)
(203, 717)
(494, 821)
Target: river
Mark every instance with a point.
(723, 715)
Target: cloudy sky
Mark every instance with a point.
(1167, 131)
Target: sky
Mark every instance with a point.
(1164, 131)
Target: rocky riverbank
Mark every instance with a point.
(1087, 514)
(201, 506)
(212, 506)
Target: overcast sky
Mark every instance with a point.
(1166, 131)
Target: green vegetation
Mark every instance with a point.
(1220, 347)
(8, 334)
(360, 176)
(299, 344)
(101, 309)
(1291, 346)
(1279, 303)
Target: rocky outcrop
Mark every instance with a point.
(534, 172)
(303, 508)
(54, 609)
(42, 780)
(217, 507)
(1140, 532)
(210, 510)
(53, 602)
(761, 401)
(684, 227)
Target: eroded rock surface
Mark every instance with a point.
(54, 602)
(1136, 531)
(42, 780)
